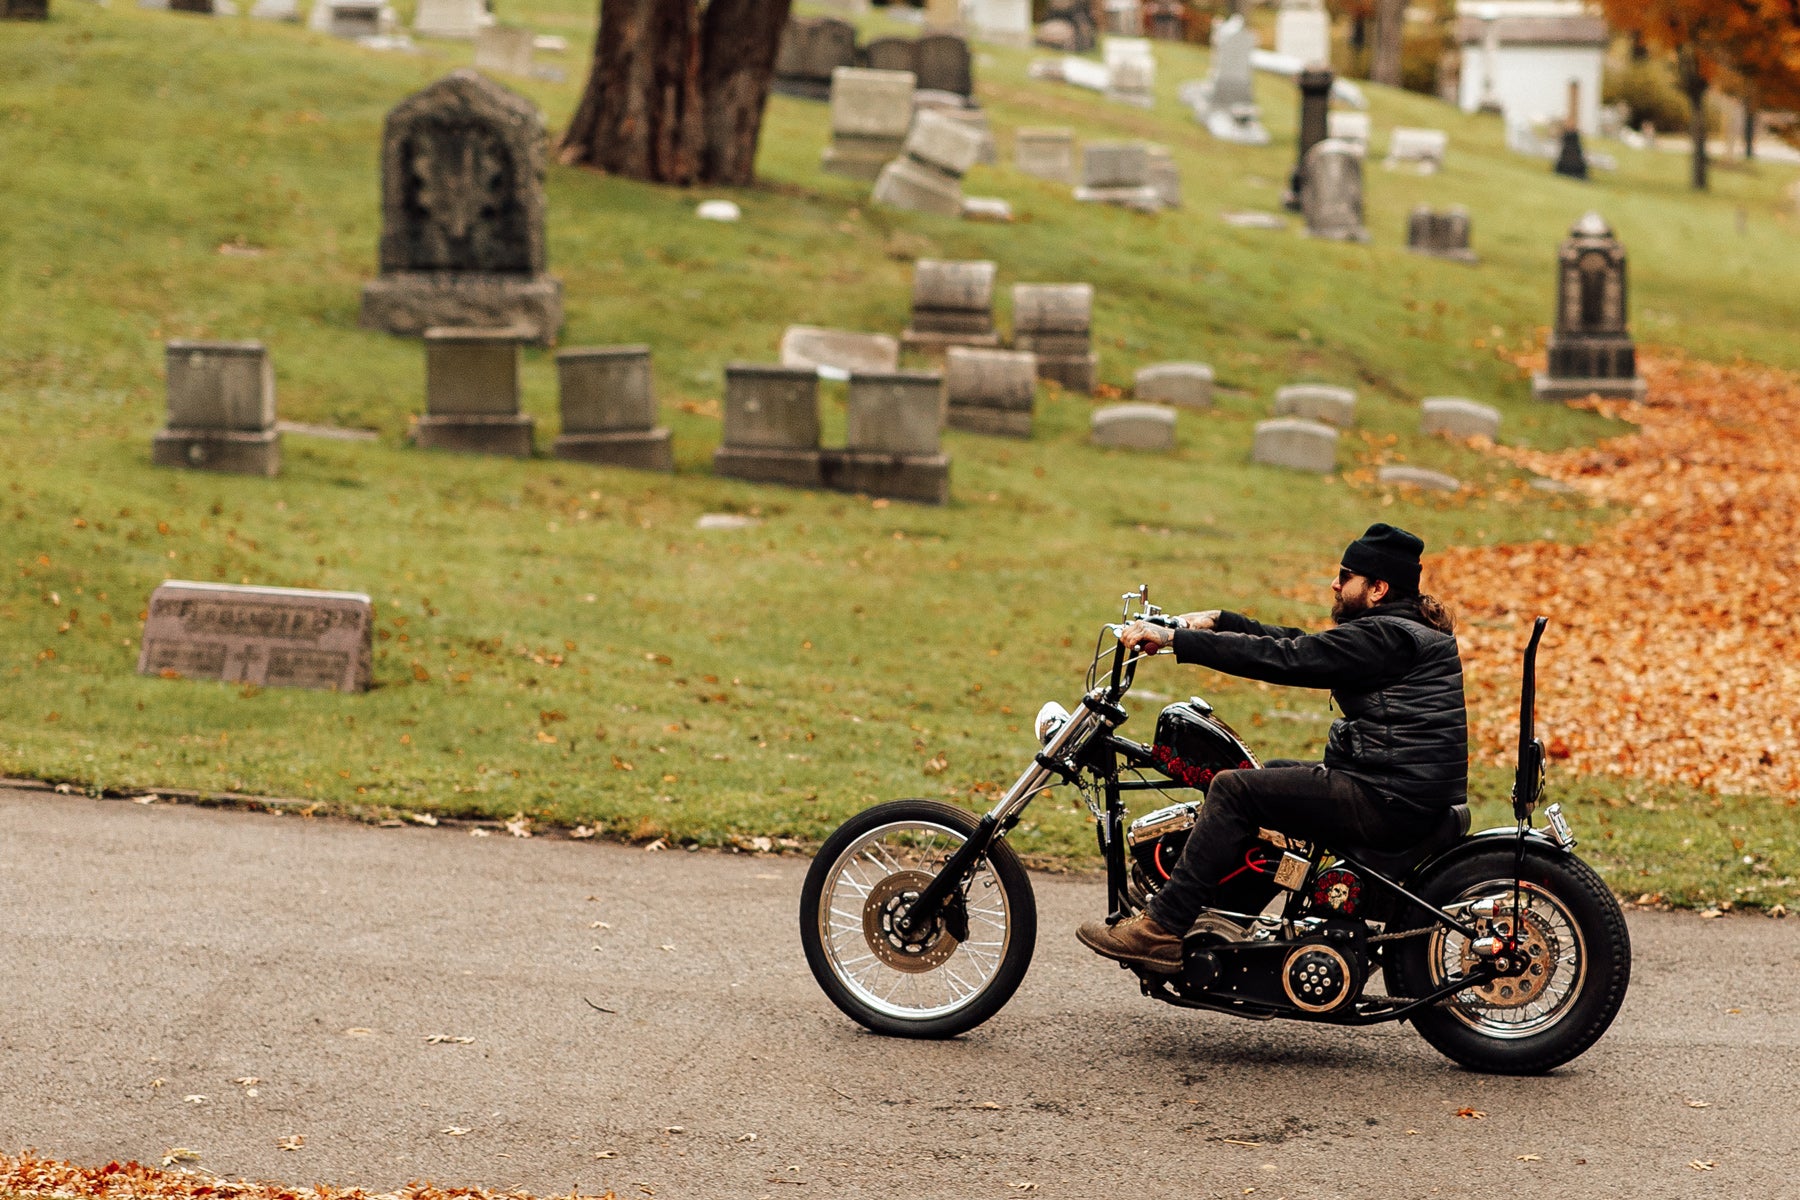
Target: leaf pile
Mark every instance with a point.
(1673, 651)
(29, 1175)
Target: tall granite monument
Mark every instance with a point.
(1591, 352)
(462, 214)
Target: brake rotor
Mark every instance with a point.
(1537, 947)
(915, 953)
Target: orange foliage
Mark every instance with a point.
(1758, 40)
(29, 1175)
(1673, 651)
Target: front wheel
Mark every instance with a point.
(1575, 953)
(931, 984)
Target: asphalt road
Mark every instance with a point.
(152, 958)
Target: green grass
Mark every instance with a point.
(821, 659)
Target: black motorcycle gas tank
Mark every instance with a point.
(1192, 745)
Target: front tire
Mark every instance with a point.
(1579, 964)
(931, 985)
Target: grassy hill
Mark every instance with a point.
(171, 176)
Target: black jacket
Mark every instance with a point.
(1398, 681)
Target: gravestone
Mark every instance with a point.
(1331, 193)
(892, 445)
(1165, 177)
(1183, 384)
(462, 214)
(275, 10)
(771, 426)
(350, 18)
(1007, 22)
(1317, 402)
(267, 636)
(871, 112)
(1046, 153)
(1454, 416)
(1077, 31)
(1314, 85)
(472, 393)
(1352, 127)
(1421, 150)
(1400, 475)
(892, 54)
(928, 176)
(839, 353)
(1303, 32)
(24, 10)
(1133, 427)
(811, 48)
(609, 409)
(221, 409)
(1054, 322)
(1440, 234)
(1131, 70)
(945, 65)
(972, 118)
(1225, 102)
(990, 391)
(1590, 350)
(506, 49)
(1117, 173)
(458, 19)
(1295, 444)
(952, 305)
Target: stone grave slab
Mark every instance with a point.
(1317, 402)
(472, 393)
(952, 305)
(452, 19)
(1046, 153)
(609, 409)
(811, 48)
(1457, 417)
(771, 426)
(839, 353)
(990, 391)
(1420, 150)
(221, 398)
(1296, 444)
(893, 440)
(1400, 475)
(1183, 384)
(1351, 127)
(1134, 427)
(1442, 234)
(267, 636)
(1590, 350)
(871, 112)
(1331, 193)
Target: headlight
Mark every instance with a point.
(1050, 718)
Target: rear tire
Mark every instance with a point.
(930, 986)
(1559, 1006)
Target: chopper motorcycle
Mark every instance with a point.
(1506, 951)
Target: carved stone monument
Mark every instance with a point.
(462, 208)
(221, 409)
(1591, 352)
(928, 176)
(1047, 153)
(472, 393)
(1118, 173)
(990, 391)
(1296, 444)
(944, 64)
(1303, 32)
(1454, 416)
(811, 48)
(1183, 384)
(609, 409)
(771, 426)
(1133, 427)
(1054, 322)
(1317, 402)
(839, 353)
(892, 441)
(272, 637)
(952, 305)
(1440, 234)
(1331, 193)
(451, 18)
(870, 114)
(1225, 102)
(1314, 85)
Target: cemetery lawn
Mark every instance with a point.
(561, 642)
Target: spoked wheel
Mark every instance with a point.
(931, 983)
(1573, 966)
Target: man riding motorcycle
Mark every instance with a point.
(1395, 761)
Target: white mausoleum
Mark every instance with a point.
(1521, 55)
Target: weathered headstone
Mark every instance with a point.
(472, 393)
(1303, 32)
(24, 10)
(1183, 384)
(771, 426)
(945, 65)
(990, 391)
(275, 10)
(1296, 444)
(892, 445)
(1331, 194)
(1571, 161)
(1118, 173)
(1134, 427)
(1421, 150)
(221, 409)
(811, 48)
(609, 409)
(1317, 402)
(1457, 417)
(1314, 85)
(1054, 322)
(267, 636)
(1046, 153)
(1440, 234)
(450, 18)
(1590, 351)
(870, 114)
(351, 18)
(505, 49)
(928, 176)
(1007, 22)
(1352, 127)
(839, 353)
(1165, 177)
(1124, 17)
(462, 207)
(1224, 101)
(1401, 475)
(1069, 25)
(892, 54)
(976, 119)
(1131, 66)
(952, 305)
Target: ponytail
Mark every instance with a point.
(1437, 614)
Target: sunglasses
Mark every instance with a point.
(1345, 575)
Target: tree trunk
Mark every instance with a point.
(1749, 122)
(1388, 38)
(640, 113)
(738, 42)
(1693, 82)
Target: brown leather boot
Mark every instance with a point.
(1137, 940)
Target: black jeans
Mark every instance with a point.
(1303, 800)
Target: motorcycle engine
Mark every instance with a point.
(1321, 974)
(1156, 839)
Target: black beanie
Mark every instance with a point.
(1387, 554)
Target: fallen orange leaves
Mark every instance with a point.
(1673, 651)
(28, 1175)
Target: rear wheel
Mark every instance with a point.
(933, 983)
(1575, 963)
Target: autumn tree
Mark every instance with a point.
(676, 90)
(1387, 41)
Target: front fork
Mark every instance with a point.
(1110, 830)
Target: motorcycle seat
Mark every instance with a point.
(1449, 830)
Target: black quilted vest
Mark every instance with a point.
(1409, 740)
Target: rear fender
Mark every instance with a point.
(1501, 837)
